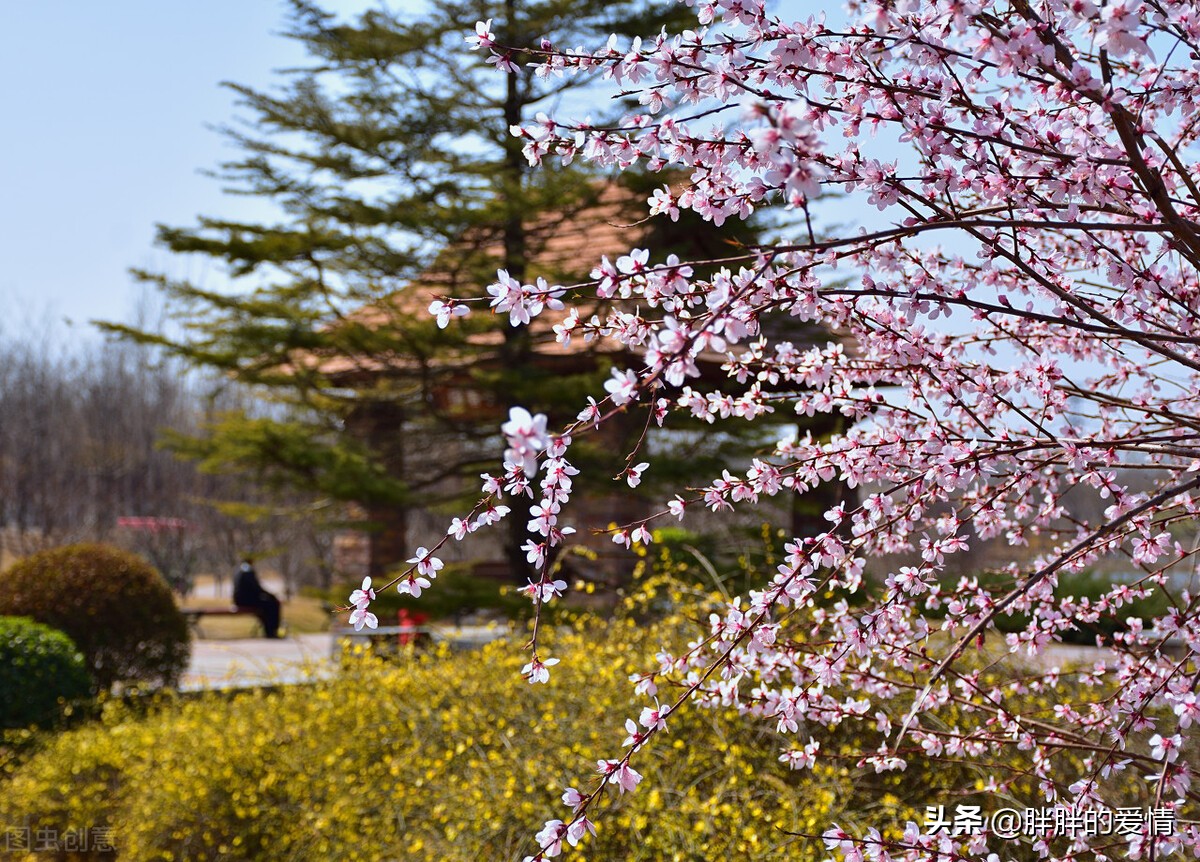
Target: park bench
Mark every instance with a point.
(194, 615)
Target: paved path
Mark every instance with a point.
(251, 662)
(258, 661)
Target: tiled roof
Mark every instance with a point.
(564, 249)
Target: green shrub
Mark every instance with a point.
(115, 607)
(1092, 585)
(1088, 584)
(40, 672)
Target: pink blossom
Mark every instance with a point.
(622, 387)
(444, 310)
(538, 670)
(490, 515)
(591, 413)
(572, 798)
(545, 591)
(1188, 709)
(1165, 748)
(526, 436)
(483, 37)
(504, 62)
(360, 617)
(427, 564)
(578, 829)
(633, 475)
(550, 839)
(1015, 331)
(634, 262)
(620, 773)
(413, 586)
(364, 595)
(654, 717)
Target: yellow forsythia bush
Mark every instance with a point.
(455, 757)
(450, 756)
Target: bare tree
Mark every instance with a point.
(82, 457)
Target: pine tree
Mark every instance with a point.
(389, 156)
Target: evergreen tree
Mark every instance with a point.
(390, 159)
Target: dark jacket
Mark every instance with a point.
(246, 588)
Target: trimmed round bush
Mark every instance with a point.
(114, 605)
(40, 669)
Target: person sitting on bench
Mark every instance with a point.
(249, 593)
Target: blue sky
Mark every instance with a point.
(104, 117)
